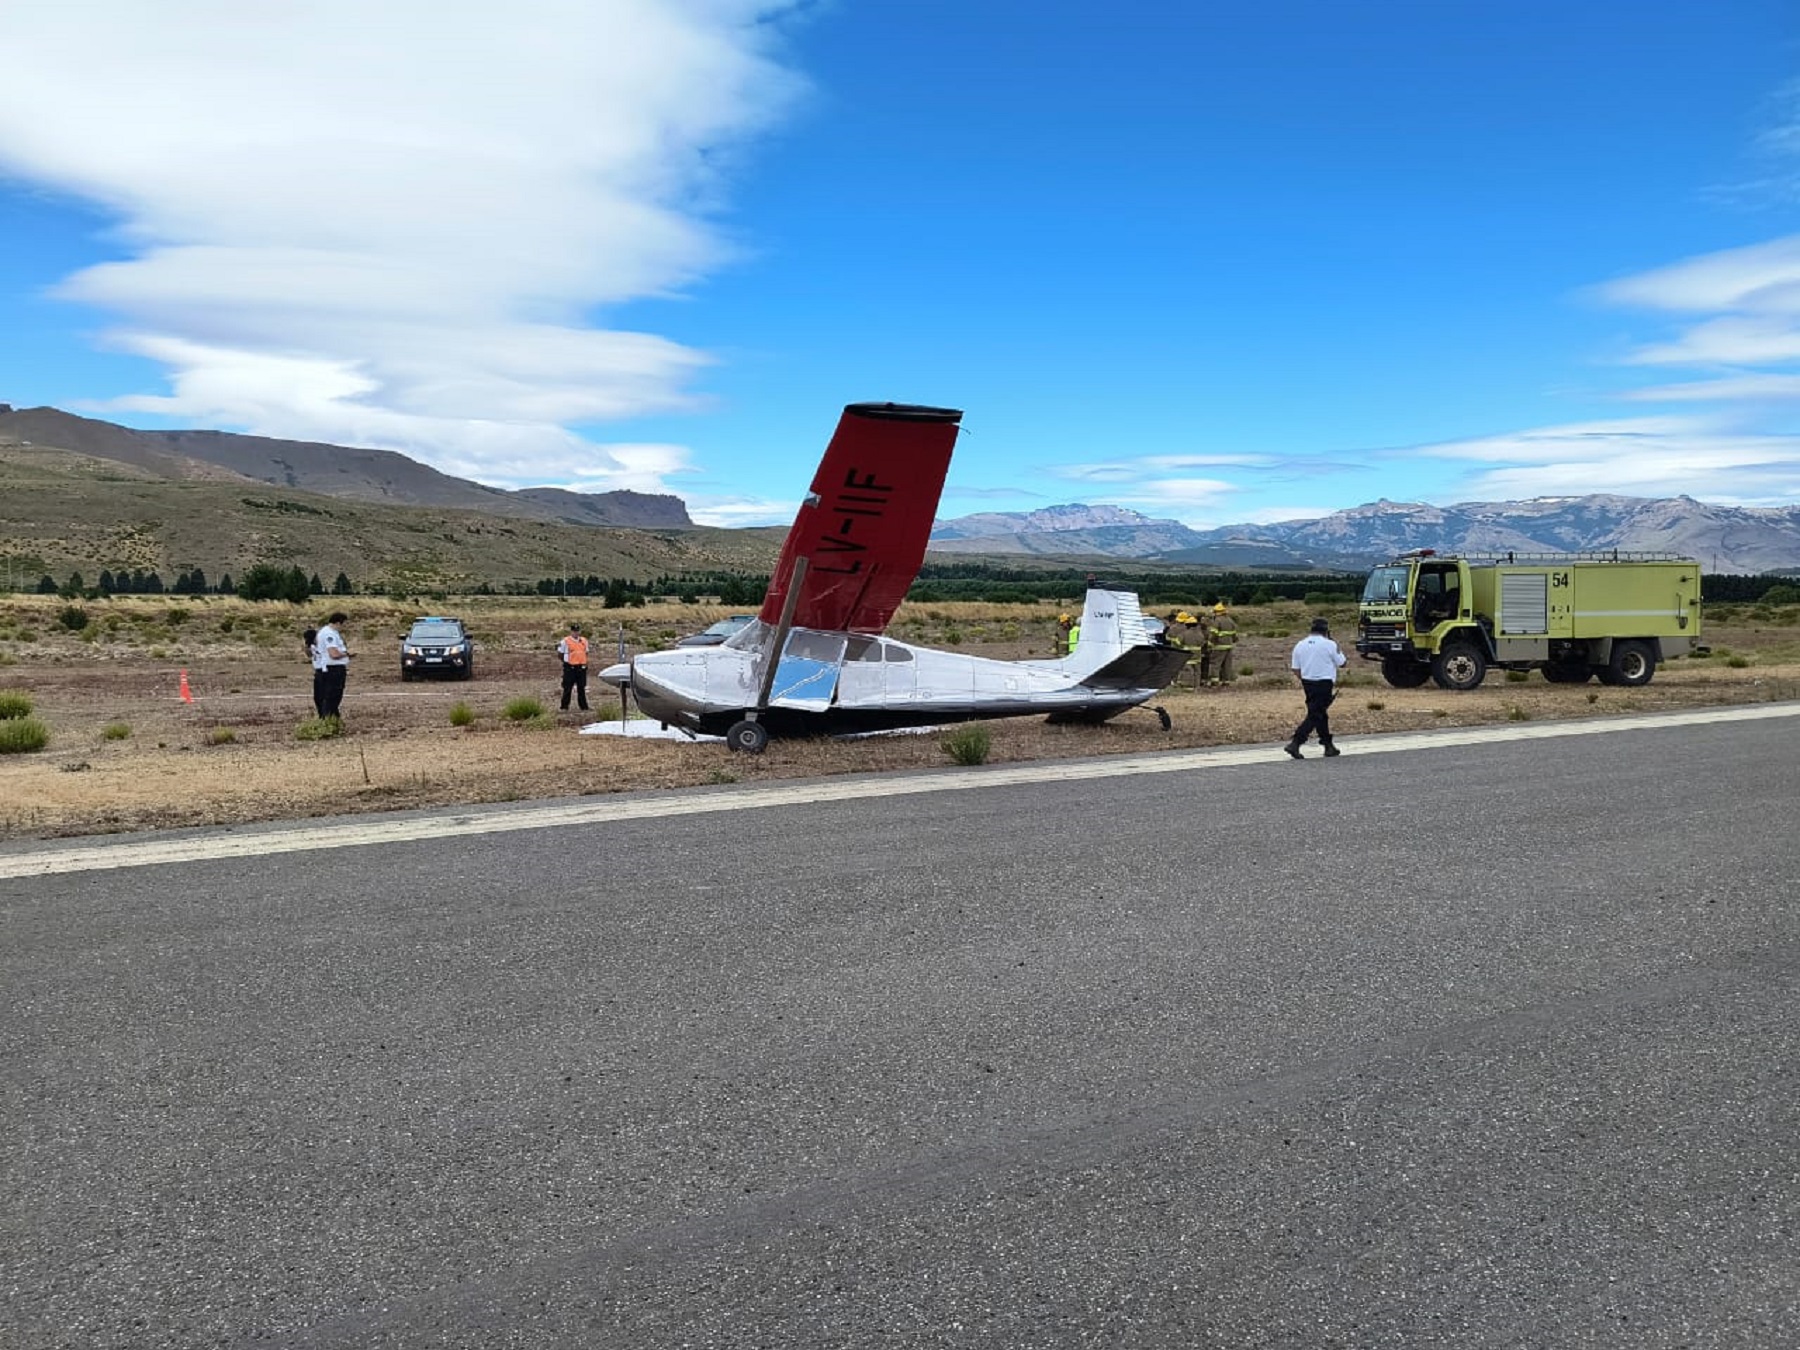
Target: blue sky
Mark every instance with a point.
(1214, 262)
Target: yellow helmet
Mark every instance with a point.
(1064, 618)
(1185, 617)
(1219, 608)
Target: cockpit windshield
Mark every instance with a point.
(1387, 586)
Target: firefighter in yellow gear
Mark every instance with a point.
(1224, 639)
(1071, 632)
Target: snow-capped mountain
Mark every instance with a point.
(1730, 539)
(1071, 531)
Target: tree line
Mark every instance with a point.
(935, 584)
(265, 581)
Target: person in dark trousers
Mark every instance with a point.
(1315, 663)
(334, 659)
(574, 652)
(311, 638)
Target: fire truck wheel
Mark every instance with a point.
(1569, 672)
(1459, 666)
(748, 737)
(1632, 663)
(1403, 673)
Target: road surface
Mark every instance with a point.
(1474, 1042)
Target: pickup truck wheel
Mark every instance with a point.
(1459, 666)
(1632, 663)
(1403, 673)
(748, 737)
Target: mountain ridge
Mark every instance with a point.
(352, 473)
(1724, 538)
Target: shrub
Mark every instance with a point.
(969, 744)
(116, 731)
(176, 616)
(522, 709)
(221, 736)
(1517, 676)
(461, 715)
(73, 617)
(1376, 705)
(21, 734)
(14, 704)
(318, 729)
(1514, 713)
(1737, 662)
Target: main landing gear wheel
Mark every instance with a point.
(748, 737)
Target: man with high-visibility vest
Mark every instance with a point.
(574, 652)
(1224, 638)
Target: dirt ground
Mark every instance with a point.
(126, 753)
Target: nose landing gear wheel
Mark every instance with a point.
(748, 737)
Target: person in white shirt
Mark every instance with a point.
(1315, 663)
(317, 660)
(334, 665)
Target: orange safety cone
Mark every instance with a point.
(187, 695)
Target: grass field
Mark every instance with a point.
(126, 753)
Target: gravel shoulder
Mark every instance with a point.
(232, 755)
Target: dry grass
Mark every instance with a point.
(398, 748)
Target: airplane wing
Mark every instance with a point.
(865, 523)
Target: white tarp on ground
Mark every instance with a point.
(643, 727)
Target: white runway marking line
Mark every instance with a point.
(603, 810)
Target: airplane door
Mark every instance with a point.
(807, 675)
(899, 674)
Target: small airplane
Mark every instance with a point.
(814, 662)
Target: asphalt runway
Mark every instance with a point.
(1492, 1045)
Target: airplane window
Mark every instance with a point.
(889, 652)
(862, 649)
(811, 646)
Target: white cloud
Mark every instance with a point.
(1735, 388)
(1738, 340)
(1752, 295)
(1708, 459)
(1762, 277)
(1140, 468)
(741, 512)
(388, 224)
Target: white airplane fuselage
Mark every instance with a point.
(832, 682)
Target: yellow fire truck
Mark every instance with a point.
(1573, 616)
